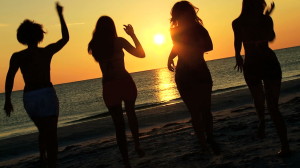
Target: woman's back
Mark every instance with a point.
(113, 67)
(190, 43)
(255, 32)
(35, 67)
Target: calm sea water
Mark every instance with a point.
(82, 101)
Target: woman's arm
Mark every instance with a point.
(208, 42)
(55, 47)
(138, 50)
(13, 68)
(270, 10)
(237, 47)
(271, 32)
(171, 65)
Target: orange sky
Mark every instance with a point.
(148, 18)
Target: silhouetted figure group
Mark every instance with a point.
(262, 72)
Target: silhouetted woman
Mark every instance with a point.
(262, 71)
(194, 83)
(40, 100)
(118, 86)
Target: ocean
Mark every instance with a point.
(82, 101)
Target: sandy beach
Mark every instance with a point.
(168, 138)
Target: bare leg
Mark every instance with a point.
(205, 109)
(116, 113)
(42, 141)
(257, 92)
(134, 127)
(197, 123)
(272, 89)
(48, 139)
(51, 139)
(193, 98)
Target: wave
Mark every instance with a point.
(150, 105)
(106, 114)
(229, 89)
(295, 76)
(97, 116)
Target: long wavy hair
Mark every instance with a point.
(250, 7)
(102, 44)
(184, 9)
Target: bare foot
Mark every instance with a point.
(261, 131)
(140, 152)
(127, 165)
(205, 148)
(214, 146)
(284, 152)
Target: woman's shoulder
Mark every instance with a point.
(267, 18)
(236, 22)
(200, 28)
(120, 39)
(120, 42)
(20, 53)
(175, 30)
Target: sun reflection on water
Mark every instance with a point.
(166, 85)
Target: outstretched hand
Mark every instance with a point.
(59, 8)
(239, 63)
(129, 29)
(270, 10)
(8, 108)
(171, 65)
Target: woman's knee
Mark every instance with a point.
(129, 106)
(116, 113)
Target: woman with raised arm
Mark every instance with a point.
(193, 79)
(262, 72)
(40, 100)
(118, 86)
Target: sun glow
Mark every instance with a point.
(159, 39)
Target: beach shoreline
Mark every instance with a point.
(168, 124)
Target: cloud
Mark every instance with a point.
(74, 24)
(3, 25)
(71, 24)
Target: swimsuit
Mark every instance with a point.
(118, 90)
(261, 62)
(41, 103)
(266, 67)
(191, 69)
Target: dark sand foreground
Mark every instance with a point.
(169, 140)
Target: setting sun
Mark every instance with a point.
(159, 39)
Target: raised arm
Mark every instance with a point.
(171, 65)
(208, 42)
(270, 10)
(237, 47)
(138, 50)
(9, 82)
(271, 34)
(55, 47)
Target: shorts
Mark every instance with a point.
(188, 78)
(41, 103)
(191, 85)
(262, 66)
(118, 90)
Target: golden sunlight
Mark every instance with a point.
(167, 86)
(159, 39)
